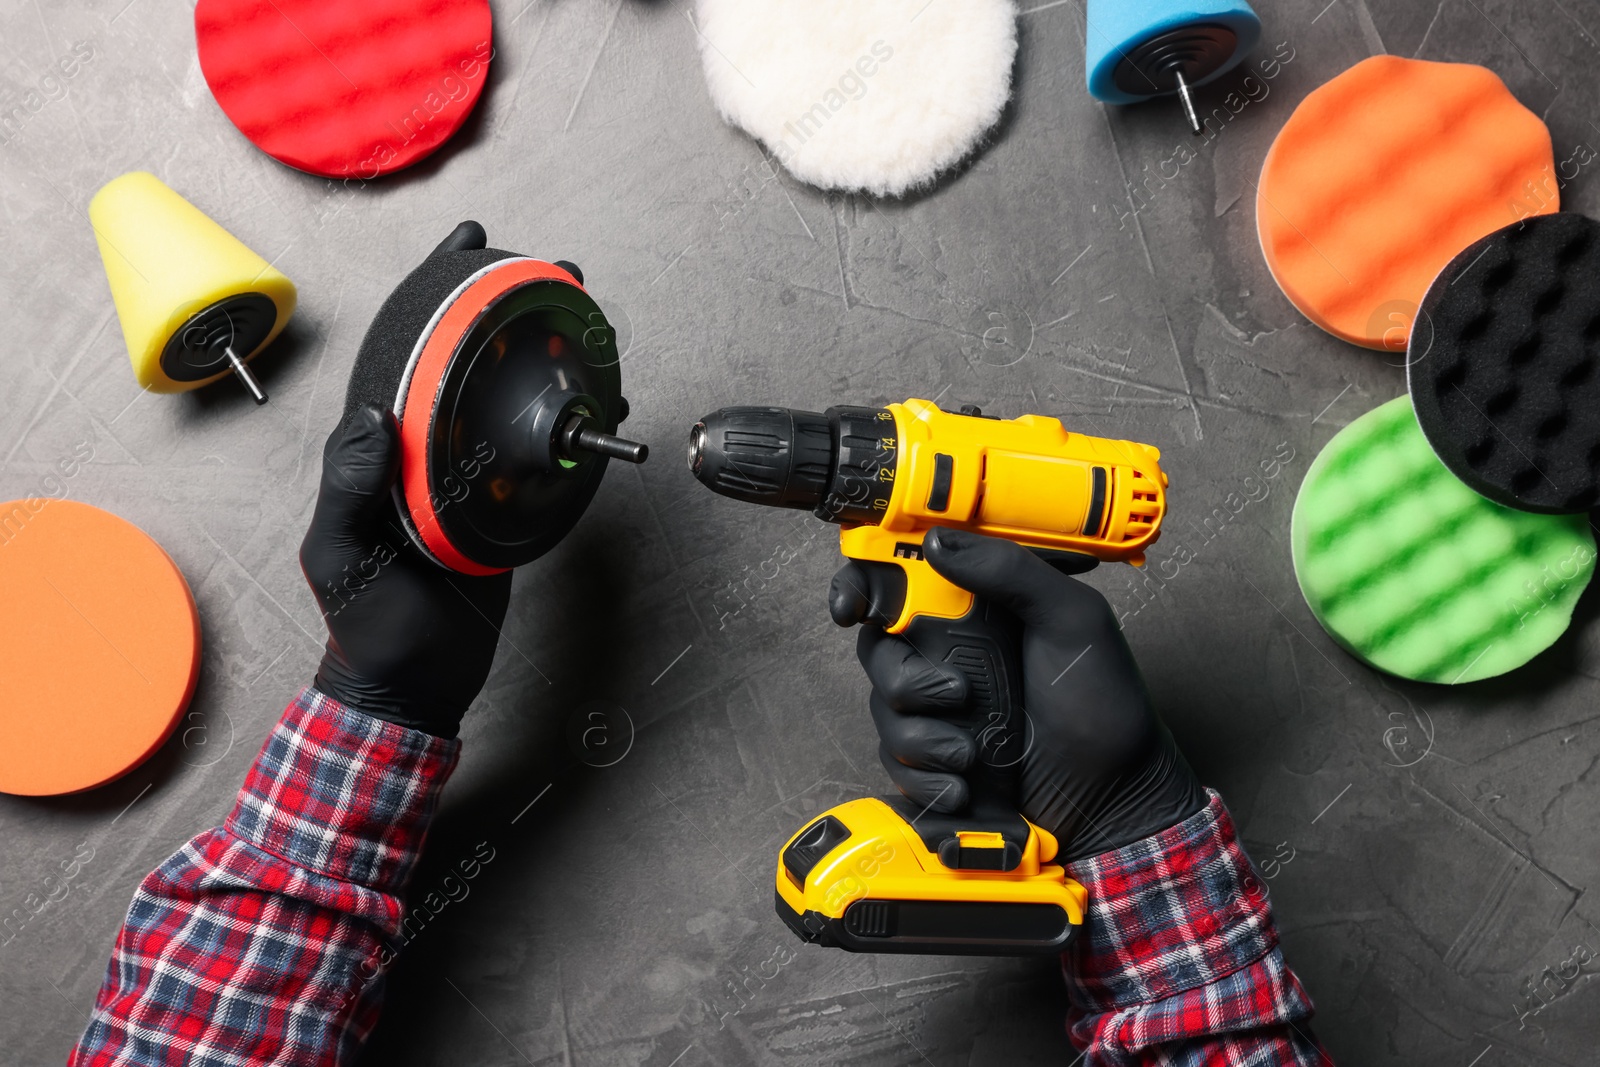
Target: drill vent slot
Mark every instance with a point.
(1100, 482)
(1144, 508)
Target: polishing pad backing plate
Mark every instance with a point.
(475, 351)
(456, 454)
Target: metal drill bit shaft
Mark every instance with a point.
(1188, 103)
(258, 394)
(605, 444)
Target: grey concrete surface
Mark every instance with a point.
(1429, 849)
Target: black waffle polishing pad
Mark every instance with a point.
(1503, 364)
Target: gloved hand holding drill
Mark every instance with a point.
(1002, 685)
(1100, 768)
(1178, 925)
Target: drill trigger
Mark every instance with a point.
(865, 590)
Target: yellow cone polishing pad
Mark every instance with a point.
(1417, 575)
(194, 301)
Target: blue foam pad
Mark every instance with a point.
(1117, 27)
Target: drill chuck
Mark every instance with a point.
(838, 464)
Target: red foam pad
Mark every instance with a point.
(345, 90)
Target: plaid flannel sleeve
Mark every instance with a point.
(264, 941)
(1178, 963)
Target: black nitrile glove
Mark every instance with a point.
(1103, 771)
(409, 642)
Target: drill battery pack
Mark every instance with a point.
(873, 875)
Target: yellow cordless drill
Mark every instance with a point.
(878, 875)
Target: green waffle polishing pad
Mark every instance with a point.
(1417, 575)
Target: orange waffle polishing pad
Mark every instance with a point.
(1381, 176)
(99, 646)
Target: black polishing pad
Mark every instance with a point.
(1504, 364)
(491, 500)
(381, 360)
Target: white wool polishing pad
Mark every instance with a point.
(873, 95)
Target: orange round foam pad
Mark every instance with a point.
(99, 647)
(1381, 176)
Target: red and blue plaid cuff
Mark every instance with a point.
(1176, 911)
(343, 794)
(264, 942)
(1178, 962)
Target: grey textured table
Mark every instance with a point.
(1429, 848)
